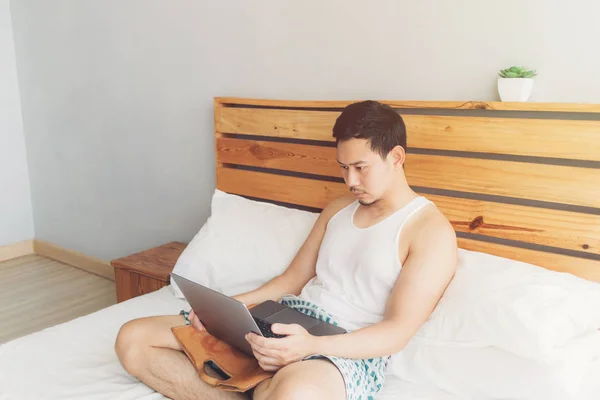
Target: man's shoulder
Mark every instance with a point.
(336, 205)
(435, 227)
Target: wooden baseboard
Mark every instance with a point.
(15, 250)
(87, 263)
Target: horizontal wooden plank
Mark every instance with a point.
(583, 268)
(549, 183)
(566, 139)
(286, 189)
(447, 105)
(291, 124)
(286, 156)
(541, 226)
(578, 186)
(515, 136)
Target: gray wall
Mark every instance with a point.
(16, 218)
(117, 94)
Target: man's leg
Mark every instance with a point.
(304, 380)
(149, 351)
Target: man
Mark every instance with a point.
(376, 261)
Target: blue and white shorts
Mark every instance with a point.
(363, 378)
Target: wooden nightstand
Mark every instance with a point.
(146, 271)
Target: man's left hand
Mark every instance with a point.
(275, 353)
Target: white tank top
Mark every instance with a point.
(357, 268)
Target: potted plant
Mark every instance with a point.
(515, 83)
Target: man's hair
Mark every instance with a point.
(371, 120)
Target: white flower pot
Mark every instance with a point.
(515, 89)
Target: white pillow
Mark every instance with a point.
(507, 329)
(488, 372)
(243, 244)
(519, 307)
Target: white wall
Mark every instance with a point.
(16, 219)
(117, 94)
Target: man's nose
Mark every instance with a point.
(352, 178)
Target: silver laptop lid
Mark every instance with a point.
(222, 316)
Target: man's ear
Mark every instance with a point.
(398, 156)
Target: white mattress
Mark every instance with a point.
(76, 360)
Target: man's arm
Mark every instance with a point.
(303, 266)
(299, 272)
(427, 271)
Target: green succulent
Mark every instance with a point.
(517, 72)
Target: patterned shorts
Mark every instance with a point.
(363, 378)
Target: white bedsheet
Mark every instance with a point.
(76, 360)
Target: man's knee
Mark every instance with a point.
(129, 345)
(293, 383)
(137, 338)
(297, 388)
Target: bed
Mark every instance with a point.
(80, 362)
(519, 181)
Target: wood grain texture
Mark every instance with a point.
(314, 193)
(130, 284)
(579, 186)
(541, 226)
(155, 263)
(540, 139)
(74, 258)
(446, 105)
(548, 227)
(286, 156)
(124, 282)
(551, 183)
(36, 293)
(287, 189)
(513, 136)
(583, 268)
(291, 124)
(15, 250)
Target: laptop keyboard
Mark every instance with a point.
(265, 329)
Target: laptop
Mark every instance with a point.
(230, 320)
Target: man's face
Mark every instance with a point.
(368, 176)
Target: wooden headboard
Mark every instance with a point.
(518, 180)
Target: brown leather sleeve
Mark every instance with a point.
(200, 347)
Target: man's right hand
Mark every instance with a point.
(195, 321)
